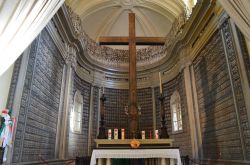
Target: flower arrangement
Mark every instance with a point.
(135, 143)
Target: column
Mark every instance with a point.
(191, 110)
(196, 114)
(70, 60)
(59, 121)
(90, 119)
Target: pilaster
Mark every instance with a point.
(70, 60)
(236, 86)
(60, 115)
(90, 119)
(191, 110)
(196, 114)
(243, 73)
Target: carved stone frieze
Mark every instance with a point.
(76, 22)
(139, 79)
(116, 79)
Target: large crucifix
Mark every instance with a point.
(132, 41)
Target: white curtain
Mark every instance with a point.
(239, 11)
(20, 22)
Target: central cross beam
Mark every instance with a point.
(132, 41)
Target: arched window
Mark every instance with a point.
(175, 105)
(76, 113)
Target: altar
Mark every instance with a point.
(160, 149)
(144, 143)
(162, 154)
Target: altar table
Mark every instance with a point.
(170, 153)
(124, 144)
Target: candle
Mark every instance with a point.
(156, 134)
(123, 133)
(160, 83)
(142, 134)
(109, 134)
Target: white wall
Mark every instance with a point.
(5, 80)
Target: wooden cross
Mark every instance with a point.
(132, 41)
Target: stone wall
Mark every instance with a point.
(38, 115)
(78, 142)
(181, 139)
(223, 116)
(237, 89)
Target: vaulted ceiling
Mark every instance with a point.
(110, 18)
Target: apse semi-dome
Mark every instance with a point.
(110, 18)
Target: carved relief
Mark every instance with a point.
(76, 22)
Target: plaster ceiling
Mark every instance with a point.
(110, 17)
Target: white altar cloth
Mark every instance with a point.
(135, 154)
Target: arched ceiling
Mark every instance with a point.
(110, 18)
